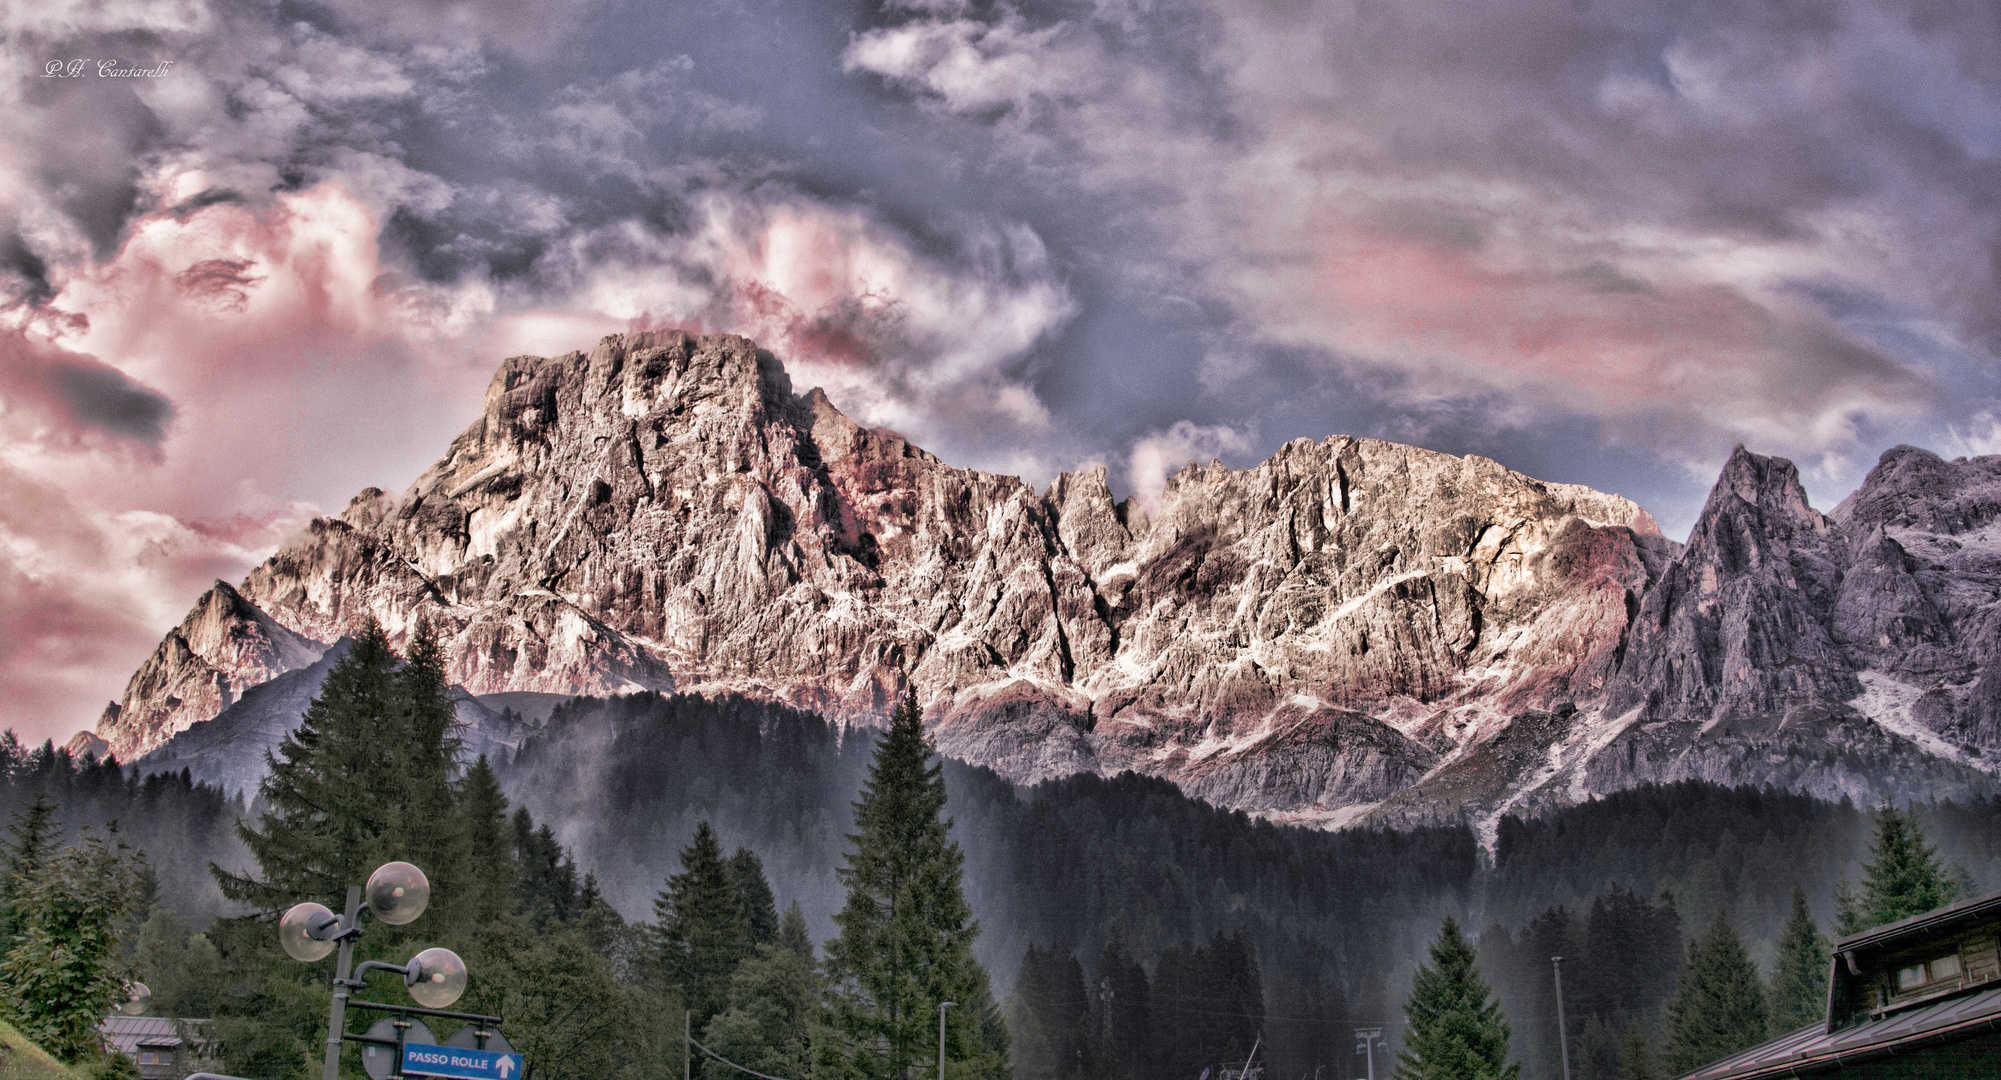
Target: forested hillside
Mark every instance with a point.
(1130, 930)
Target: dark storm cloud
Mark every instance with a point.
(1502, 217)
(71, 398)
(27, 273)
(103, 397)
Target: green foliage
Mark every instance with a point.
(362, 781)
(1049, 1018)
(181, 968)
(566, 1010)
(906, 934)
(792, 934)
(1903, 877)
(1719, 1009)
(1454, 1032)
(756, 909)
(774, 1004)
(701, 933)
(31, 833)
(1800, 974)
(114, 1067)
(21, 1059)
(66, 970)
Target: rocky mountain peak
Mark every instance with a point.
(224, 646)
(1349, 626)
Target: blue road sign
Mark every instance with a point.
(451, 1061)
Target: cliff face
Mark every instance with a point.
(225, 646)
(1350, 626)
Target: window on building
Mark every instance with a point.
(148, 1057)
(1917, 975)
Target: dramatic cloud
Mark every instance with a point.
(1601, 242)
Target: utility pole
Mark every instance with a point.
(687, 1043)
(1370, 1037)
(942, 1006)
(1562, 1040)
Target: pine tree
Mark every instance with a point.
(596, 920)
(1049, 1016)
(1634, 1058)
(906, 934)
(425, 746)
(1719, 1009)
(1904, 877)
(339, 803)
(489, 851)
(31, 834)
(701, 935)
(1454, 1032)
(1800, 972)
(545, 887)
(793, 935)
(1123, 1000)
(754, 903)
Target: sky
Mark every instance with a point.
(256, 256)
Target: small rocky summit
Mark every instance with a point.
(1352, 627)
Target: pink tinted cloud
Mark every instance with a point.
(59, 398)
(1594, 340)
(293, 371)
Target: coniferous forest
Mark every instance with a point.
(649, 858)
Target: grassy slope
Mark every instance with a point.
(23, 1060)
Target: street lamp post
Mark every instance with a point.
(942, 1006)
(1562, 1039)
(396, 893)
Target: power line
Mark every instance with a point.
(732, 1064)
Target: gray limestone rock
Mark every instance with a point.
(1351, 624)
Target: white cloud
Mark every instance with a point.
(1162, 453)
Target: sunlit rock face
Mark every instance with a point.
(1350, 627)
(225, 646)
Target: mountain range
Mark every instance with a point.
(1351, 631)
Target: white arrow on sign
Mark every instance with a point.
(505, 1066)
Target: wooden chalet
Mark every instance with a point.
(1911, 999)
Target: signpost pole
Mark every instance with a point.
(337, 1019)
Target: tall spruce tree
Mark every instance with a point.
(1903, 877)
(701, 936)
(1454, 1032)
(906, 934)
(424, 744)
(754, 902)
(1800, 972)
(488, 845)
(1720, 1007)
(350, 789)
(793, 935)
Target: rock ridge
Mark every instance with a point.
(1351, 627)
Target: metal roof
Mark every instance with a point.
(1813, 1048)
(1951, 913)
(127, 1034)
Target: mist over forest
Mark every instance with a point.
(1324, 928)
